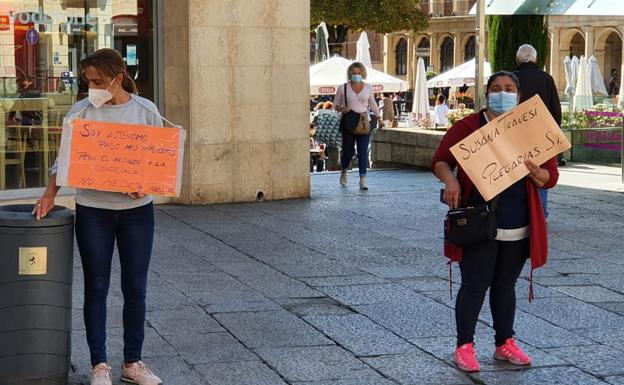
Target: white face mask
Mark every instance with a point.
(98, 97)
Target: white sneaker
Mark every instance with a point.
(139, 374)
(343, 178)
(363, 185)
(101, 374)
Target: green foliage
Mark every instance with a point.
(572, 120)
(383, 16)
(507, 33)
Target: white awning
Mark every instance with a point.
(560, 7)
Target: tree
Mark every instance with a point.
(507, 33)
(383, 16)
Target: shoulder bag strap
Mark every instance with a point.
(345, 94)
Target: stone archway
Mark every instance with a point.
(609, 54)
(423, 50)
(572, 43)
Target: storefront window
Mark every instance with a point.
(41, 45)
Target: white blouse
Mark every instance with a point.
(357, 102)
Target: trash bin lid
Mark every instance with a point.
(21, 216)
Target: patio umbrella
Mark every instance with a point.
(583, 97)
(328, 75)
(595, 77)
(321, 51)
(570, 75)
(460, 75)
(420, 108)
(363, 50)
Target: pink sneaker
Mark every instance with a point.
(512, 353)
(139, 374)
(101, 374)
(466, 359)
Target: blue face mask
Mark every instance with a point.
(356, 78)
(501, 102)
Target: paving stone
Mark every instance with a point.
(617, 307)
(598, 360)
(420, 284)
(271, 329)
(420, 317)
(613, 337)
(615, 380)
(417, 368)
(237, 373)
(558, 311)
(366, 294)
(182, 320)
(542, 376)
(376, 380)
(314, 268)
(591, 293)
(269, 281)
(348, 280)
(209, 348)
(303, 307)
(359, 335)
(315, 363)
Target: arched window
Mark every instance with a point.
(401, 57)
(448, 7)
(446, 54)
(469, 49)
(577, 45)
(424, 51)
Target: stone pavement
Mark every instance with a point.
(351, 288)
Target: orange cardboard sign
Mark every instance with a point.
(121, 157)
(494, 155)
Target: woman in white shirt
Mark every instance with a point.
(359, 98)
(440, 111)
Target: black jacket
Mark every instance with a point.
(535, 81)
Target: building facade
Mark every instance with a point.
(233, 73)
(450, 41)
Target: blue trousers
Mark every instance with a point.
(544, 198)
(348, 149)
(96, 232)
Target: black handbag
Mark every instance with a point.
(469, 225)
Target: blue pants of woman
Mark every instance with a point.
(348, 149)
(96, 232)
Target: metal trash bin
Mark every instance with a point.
(36, 264)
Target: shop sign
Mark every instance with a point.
(5, 23)
(32, 36)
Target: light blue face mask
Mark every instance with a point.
(356, 78)
(501, 102)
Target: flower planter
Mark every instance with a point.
(596, 145)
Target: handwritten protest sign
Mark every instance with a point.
(494, 155)
(121, 157)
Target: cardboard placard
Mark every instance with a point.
(121, 157)
(494, 155)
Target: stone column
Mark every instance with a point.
(411, 59)
(433, 6)
(389, 57)
(555, 58)
(236, 76)
(434, 59)
(457, 49)
(589, 41)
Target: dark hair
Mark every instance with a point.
(109, 63)
(441, 98)
(501, 74)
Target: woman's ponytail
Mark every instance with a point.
(129, 85)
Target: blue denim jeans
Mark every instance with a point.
(96, 232)
(544, 198)
(348, 149)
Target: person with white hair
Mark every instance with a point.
(535, 81)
